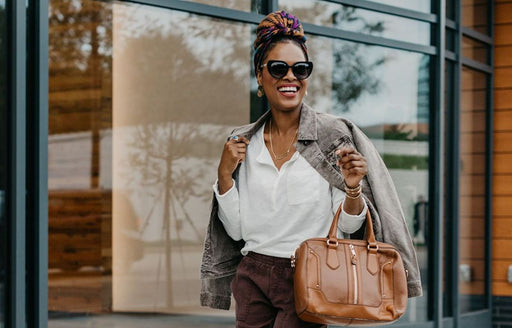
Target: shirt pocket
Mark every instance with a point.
(302, 184)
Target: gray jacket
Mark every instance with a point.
(319, 136)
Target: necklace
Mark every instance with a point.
(282, 156)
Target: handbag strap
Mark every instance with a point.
(370, 235)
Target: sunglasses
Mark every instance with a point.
(278, 69)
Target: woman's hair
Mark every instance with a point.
(276, 27)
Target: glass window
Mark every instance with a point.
(359, 20)
(243, 5)
(475, 15)
(472, 191)
(418, 5)
(386, 92)
(3, 160)
(141, 101)
(450, 39)
(474, 50)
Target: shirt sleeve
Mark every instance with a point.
(229, 210)
(348, 223)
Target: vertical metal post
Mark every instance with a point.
(16, 14)
(437, 166)
(39, 165)
(454, 171)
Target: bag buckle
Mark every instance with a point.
(333, 244)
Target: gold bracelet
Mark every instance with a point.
(352, 197)
(353, 188)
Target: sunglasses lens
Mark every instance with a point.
(278, 69)
(302, 70)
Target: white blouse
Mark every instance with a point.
(273, 210)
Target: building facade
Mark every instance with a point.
(115, 113)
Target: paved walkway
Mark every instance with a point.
(140, 321)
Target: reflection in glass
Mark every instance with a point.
(475, 15)
(180, 81)
(141, 101)
(385, 92)
(3, 159)
(472, 191)
(358, 20)
(418, 5)
(243, 5)
(474, 50)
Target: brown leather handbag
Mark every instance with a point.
(349, 282)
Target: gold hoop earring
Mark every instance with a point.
(260, 93)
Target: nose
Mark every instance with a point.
(289, 75)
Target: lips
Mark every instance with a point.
(288, 90)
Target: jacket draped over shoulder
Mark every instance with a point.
(318, 138)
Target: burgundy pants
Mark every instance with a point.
(263, 290)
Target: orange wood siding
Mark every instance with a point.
(502, 193)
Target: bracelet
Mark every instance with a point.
(353, 188)
(353, 192)
(352, 197)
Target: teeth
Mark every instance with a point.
(288, 89)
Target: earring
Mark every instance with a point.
(306, 93)
(260, 91)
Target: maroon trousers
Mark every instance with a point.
(263, 291)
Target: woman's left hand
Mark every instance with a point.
(352, 165)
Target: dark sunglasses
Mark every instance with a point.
(278, 69)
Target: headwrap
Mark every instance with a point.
(274, 26)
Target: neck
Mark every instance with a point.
(284, 122)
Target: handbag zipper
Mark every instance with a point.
(354, 271)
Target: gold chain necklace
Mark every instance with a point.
(280, 157)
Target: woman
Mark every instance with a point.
(280, 180)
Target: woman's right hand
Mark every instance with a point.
(233, 154)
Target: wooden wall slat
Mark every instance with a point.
(503, 35)
(501, 288)
(502, 184)
(503, 98)
(503, 77)
(500, 270)
(472, 100)
(472, 227)
(502, 228)
(502, 57)
(502, 158)
(502, 206)
(502, 163)
(473, 185)
(501, 249)
(503, 120)
(503, 142)
(502, 13)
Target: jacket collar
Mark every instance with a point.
(307, 125)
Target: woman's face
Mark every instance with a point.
(286, 93)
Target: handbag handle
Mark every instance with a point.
(333, 230)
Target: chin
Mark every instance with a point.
(288, 106)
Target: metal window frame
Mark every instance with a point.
(37, 164)
(254, 18)
(27, 200)
(388, 9)
(436, 166)
(16, 183)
